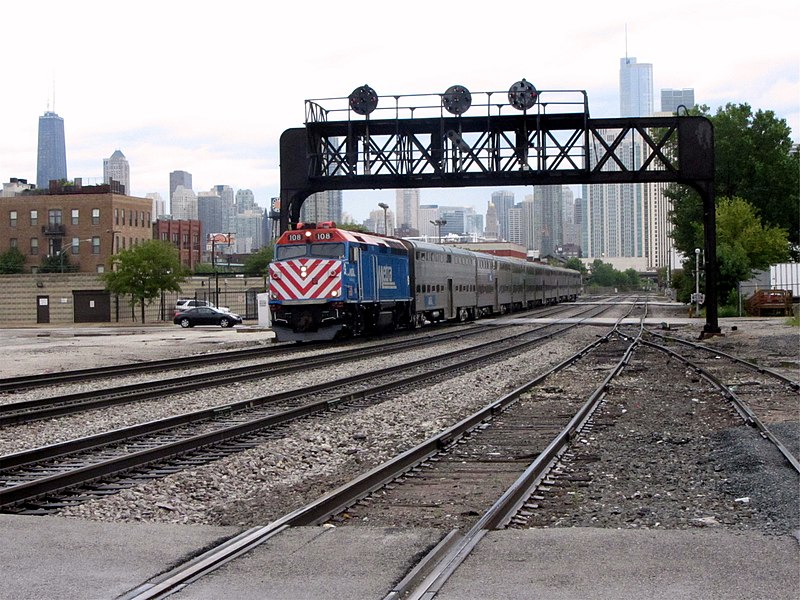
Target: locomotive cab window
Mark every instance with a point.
(287, 252)
(328, 250)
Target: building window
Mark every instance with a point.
(75, 216)
(76, 245)
(54, 216)
(34, 246)
(164, 236)
(116, 216)
(101, 268)
(12, 218)
(95, 216)
(34, 217)
(13, 242)
(123, 216)
(96, 245)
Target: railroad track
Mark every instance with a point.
(480, 443)
(451, 447)
(43, 472)
(64, 404)
(26, 382)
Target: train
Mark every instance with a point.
(327, 283)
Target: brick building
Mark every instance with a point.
(84, 225)
(185, 235)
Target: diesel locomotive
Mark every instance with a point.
(326, 282)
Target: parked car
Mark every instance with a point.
(206, 315)
(184, 303)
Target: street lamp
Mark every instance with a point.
(385, 208)
(439, 224)
(697, 279)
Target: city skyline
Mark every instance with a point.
(227, 132)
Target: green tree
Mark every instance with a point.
(754, 161)
(258, 262)
(353, 227)
(12, 261)
(576, 264)
(744, 245)
(145, 271)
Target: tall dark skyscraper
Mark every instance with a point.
(52, 158)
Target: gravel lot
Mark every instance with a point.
(647, 478)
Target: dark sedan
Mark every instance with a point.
(205, 315)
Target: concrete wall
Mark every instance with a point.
(18, 295)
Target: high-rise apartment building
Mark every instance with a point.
(503, 202)
(490, 231)
(245, 200)
(228, 200)
(322, 206)
(51, 161)
(672, 99)
(407, 208)
(178, 178)
(427, 214)
(184, 204)
(248, 226)
(117, 168)
(159, 209)
(211, 213)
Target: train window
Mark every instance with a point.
(287, 252)
(328, 250)
(449, 258)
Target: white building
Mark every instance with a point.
(407, 208)
(159, 207)
(117, 168)
(184, 204)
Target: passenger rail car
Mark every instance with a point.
(327, 282)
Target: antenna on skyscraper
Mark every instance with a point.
(54, 91)
(626, 43)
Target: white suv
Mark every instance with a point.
(184, 303)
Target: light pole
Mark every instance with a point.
(385, 208)
(697, 279)
(439, 224)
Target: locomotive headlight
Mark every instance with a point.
(335, 293)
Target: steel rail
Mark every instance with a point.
(66, 404)
(346, 495)
(10, 384)
(763, 370)
(504, 509)
(47, 485)
(742, 408)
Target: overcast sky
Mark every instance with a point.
(209, 87)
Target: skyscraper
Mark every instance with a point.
(116, 167)
(503, 202)
(635, 88)
(407, 208)
(178, 178)
(672, 99)
(616, 223)
(322, 206)
(52, 156)
(183, 204)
